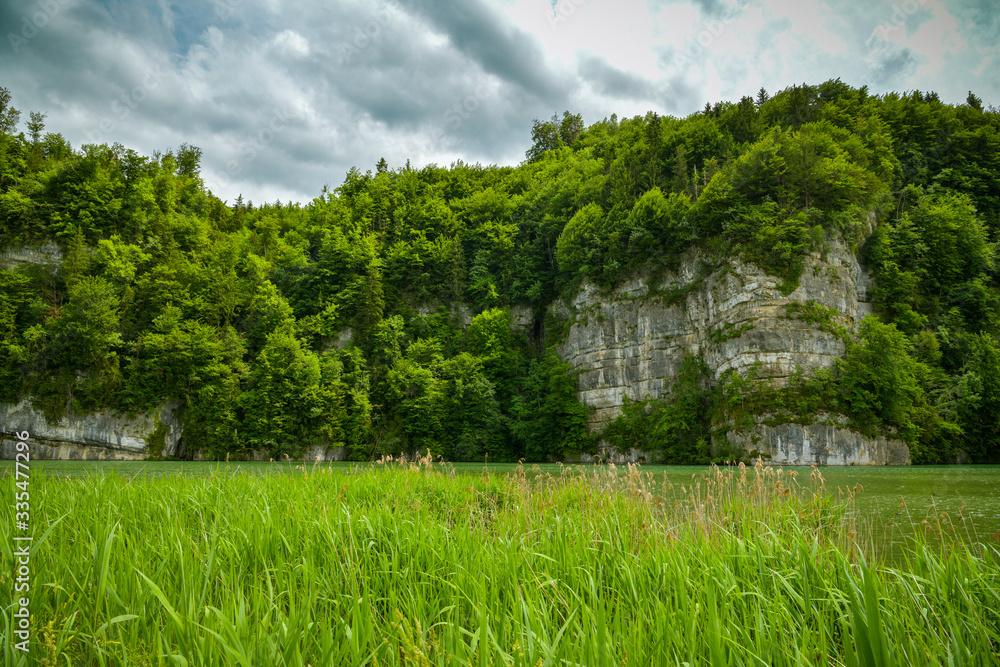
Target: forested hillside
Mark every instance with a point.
(381, 315)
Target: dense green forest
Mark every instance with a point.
(380, 315)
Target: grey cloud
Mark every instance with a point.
(890, 67)
(397, 86)
(613, 82)
(919, 17)
(773, 28)
(982, 16)
(481, 35)
(71, 64)
(678, 97)
(394, 93)
(708, 8)
(704, 6)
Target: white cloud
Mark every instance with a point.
(291, 43)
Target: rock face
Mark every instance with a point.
(47, 255)
(631, 343)
(97, 437)
(824, 442)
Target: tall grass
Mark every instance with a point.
(411, 564)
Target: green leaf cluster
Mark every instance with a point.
(408, 307)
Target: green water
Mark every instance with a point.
(927, 491)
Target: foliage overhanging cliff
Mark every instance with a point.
(409, 308)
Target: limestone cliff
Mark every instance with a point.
(96, 436)
(826, 441)
(631, 342)
(47, 255)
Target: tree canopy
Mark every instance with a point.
(381, 314)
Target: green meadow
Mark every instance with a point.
(419, 564)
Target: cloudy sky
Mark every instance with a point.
(284, 96)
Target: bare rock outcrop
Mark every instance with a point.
(632, 341)
(826, 441)
(97, 436)
(46, 255)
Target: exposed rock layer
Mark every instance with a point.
(48, 255)
(631, 343)
(823, 442)
(96, 436)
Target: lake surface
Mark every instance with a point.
(926, 491)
